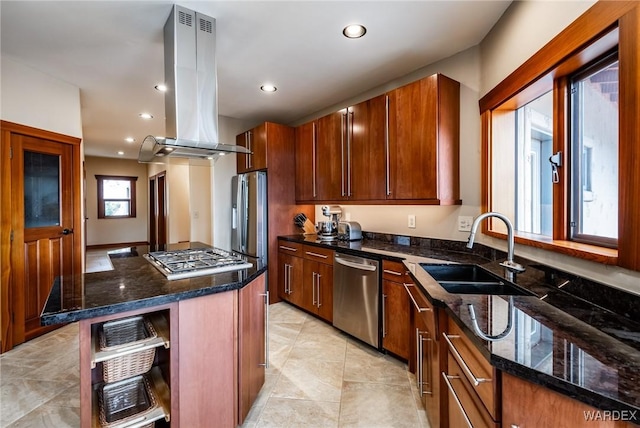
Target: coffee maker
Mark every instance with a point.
(328, 230)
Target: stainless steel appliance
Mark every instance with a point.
(189, 263)
(328, 230)
(349, 231)
(191, 98)
(249, 214)
(356, 292)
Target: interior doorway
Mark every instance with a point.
(158, 211)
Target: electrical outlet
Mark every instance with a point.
(411, 221)
(464, 223)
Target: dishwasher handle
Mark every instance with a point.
(354, 265)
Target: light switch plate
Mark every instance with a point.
(464, 223)
(411, 221)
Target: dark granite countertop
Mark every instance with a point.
(133, 284)
(575, 336)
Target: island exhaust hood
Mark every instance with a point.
(191, 99)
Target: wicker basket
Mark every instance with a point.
(121, 334)
(123, 402)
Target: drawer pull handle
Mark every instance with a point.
(494, 338)
(309, 253)
(284, 247)
(475, 380)
(392, 272)
(418, 308)
(446, 378)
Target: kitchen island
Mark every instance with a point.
(209, 363)
(561, 339)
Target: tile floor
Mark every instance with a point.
(97, 261)
(319, 377)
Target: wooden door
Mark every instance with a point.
(306, 173)
(258, 147)
(396, 335)
(43, 219)
(331, 162)
(412, 140)
(309, 297)
(367, 151)
(158, 211)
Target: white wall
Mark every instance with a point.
(200, 206)
(121, 230)
(32, 98)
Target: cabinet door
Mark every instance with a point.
(325, 292)
(306, 152)
(258, 142)
(242, 160)
(549, 409)
(331, 162)
(367, 156)
(296, 292)
(252, 305)
(412, 140)
(396, 320)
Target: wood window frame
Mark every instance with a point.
(584, 40)
(101, 200)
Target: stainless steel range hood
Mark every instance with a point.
(191, 99)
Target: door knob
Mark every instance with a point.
(67, 231)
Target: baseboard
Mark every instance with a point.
(119, 245)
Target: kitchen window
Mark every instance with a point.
(116, 196)
(561, 140)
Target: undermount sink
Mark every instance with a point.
(471, 279)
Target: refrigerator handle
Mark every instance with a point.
(234, 217)
(244, 215)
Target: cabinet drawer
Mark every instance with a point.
(288, 247)
(395, 271)
(475, 367)
(318, 254)
(423, 307)
(465, 407)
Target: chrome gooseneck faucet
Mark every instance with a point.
(510, 267)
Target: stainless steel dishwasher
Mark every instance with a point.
(356, 288)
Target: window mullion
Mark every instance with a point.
(561, 144)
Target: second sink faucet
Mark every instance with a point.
(510, 267)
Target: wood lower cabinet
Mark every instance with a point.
(473, 384)
(396, 320)
(252, 356)
(317, 281)
(548, 409)
(290, 272)
(425, 352)
(207, 369)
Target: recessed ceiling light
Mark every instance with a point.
(267, 87)
(161, 87)
(120, 153)
(146, 116)
(354, 31)
(130, 140)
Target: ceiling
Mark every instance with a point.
(113, 52)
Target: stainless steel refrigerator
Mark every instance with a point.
(249, 214)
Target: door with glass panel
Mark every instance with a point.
(42, 224)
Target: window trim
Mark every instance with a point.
(132, 200)
(570, 50)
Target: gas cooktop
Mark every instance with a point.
(189, 263)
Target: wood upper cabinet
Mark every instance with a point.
(331, 162)
(424, 122)
(401, 147)
(256, 141)
(306, 151)
(366, 150)
(548, 409)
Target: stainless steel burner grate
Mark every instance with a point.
(195, 262)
